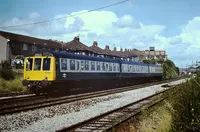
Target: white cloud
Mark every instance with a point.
(107, 28)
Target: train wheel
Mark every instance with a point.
(37, 91)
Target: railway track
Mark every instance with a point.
(39, 103)
(108, 120)
(14, 99)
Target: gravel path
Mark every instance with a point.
(55, 117)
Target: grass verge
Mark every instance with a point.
(11, 86)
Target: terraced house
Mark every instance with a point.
(16, 47)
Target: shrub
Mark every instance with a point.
(5, 64)
(7, 74)
(12, 86)
(187, 107)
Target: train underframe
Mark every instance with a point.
(69, 87)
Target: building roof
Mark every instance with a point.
(109, 52)
(31, 40)
(76, 45)
(97, 49)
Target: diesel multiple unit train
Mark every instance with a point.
(68, 72)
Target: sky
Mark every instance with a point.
(171, 25)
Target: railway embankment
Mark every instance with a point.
(179, 112)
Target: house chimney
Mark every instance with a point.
(107, 47)
(115, 49)
(76, 38)
(95, 43)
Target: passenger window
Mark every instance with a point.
(92, 65)
(98, 66)
(114, 67)
(77, 65)
(72, 64)
(110, 67)
(106, 67)
(87, 65)
(37, 64)
(29, 64)
(117, 67)
(64, 64)
(46, 64)
(103, 67)
(82, 65)
(130, 69)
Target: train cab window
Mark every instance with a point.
(29, 64)
(46, 64)
(72, 64)
(37, 64)
(87, 65)
(92, 65)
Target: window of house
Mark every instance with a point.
(92, 65)
(37, 64)
(64, 64)
(25, 47)
(29, 64)
(34, 48)
(87, 65)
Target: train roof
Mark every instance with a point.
(79, 56)
(94, 58)
(133, 62)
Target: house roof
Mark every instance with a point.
(30, 40)
(97, 49)
(76, 45)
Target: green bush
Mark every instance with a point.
(7, 74)
(186, 104)
(5, 64)
(12, 86)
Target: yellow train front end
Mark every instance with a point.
(39, 73)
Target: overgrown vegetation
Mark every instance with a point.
(6, 71)
(169, 68)
(180, 113)
(9, 80)
(186, 105)
(156, 119)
